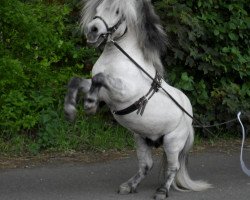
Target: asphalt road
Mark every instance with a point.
(100, 181)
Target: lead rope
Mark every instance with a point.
(243, 166)
(242, 163)
(170, 96)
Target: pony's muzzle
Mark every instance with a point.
(94, 32)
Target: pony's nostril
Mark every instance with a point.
(89, 100)
(94, 29)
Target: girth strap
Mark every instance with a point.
(140, 105)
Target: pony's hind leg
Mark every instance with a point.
(173, 144)
(145, 165)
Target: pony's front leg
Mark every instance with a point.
(145, 165)
(74, 86)
(115, 87)
(91, 100)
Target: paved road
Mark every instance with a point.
(100, 181)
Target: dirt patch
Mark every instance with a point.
(12, 162)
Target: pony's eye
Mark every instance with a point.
(117, 12)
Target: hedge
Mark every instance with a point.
(41, 47)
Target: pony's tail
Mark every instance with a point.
(182, 181)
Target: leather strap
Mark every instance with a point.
(142, 102)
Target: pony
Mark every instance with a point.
(135, 101)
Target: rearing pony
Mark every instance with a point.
(137, 102)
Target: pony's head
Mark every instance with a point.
(102, 17)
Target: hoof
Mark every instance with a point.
(126, 189)
(90, 105)
(161, 194)
(90, 111)
(70, 112)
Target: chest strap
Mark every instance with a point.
(142, 102)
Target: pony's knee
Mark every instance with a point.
(145, 169)
(85, 85)
(91, 101)
(99, 80)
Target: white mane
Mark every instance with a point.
(141, 17)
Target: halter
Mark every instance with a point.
(113, 29)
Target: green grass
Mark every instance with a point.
(216, 136)
(88, 133)
(92, 133)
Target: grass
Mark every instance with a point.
(88, 133)
(55, 134)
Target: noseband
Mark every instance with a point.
(111, 30)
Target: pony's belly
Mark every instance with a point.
(161, 115)
(152, 124)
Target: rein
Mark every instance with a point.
(200, 125)
(159, 85)
(141, 103)
(155, 86)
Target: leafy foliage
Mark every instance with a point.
(209, 54)
(41, 47)
(40, 50)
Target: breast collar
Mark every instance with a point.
(140, 105)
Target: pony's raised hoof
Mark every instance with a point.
(70, 112)
(90, 108)
(125, 189)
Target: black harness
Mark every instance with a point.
(142, 102)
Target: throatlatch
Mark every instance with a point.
(140, 105)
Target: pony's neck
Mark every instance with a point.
(128, 42)
(131, 46)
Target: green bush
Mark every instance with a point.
(209, 54)
(40, 50)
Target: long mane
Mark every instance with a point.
(141, 17)
(150, 34)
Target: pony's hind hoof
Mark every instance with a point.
(161, 194)
(126, 189)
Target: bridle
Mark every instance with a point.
(111, 30)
